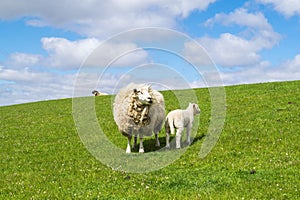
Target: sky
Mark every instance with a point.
(60, 49)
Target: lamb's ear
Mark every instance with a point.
(194, 106)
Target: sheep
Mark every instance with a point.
(97, 93)
(179, 119)
(139, 111)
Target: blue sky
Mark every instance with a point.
(43, 44)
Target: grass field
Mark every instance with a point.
(257, 155)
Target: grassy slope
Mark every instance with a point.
(257, 155)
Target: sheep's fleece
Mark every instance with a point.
(134, 117)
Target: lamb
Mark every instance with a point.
(179, 119)
(139, 111)
(97, 93)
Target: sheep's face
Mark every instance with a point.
(143, 95)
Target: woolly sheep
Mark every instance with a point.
(179, 119)
(139, 111)
(97, 93)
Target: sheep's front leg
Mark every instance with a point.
(178, 137)
(128, 149)
(141, 145)
(134, 142)
(157, 144)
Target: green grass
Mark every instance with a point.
(257, 155)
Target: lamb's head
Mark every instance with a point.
(143, 95)
(196, 109)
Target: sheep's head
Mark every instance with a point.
(138, 108)
(143, 95)
(95, 92)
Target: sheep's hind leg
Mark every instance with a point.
(141, 145)
(157, 144)
(128, 149)
(178, 137)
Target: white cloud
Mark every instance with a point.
(117, 54)
(30, 77)
(20, 86)
(196, 54)
(288, 70)
(253, 74)
(66, 54)
(231, 50)
(101, 18)
(23, 59)
(265, 72)
(25, 85)
(260, 72)
(241, 17)
(240, 49)
(19, 75)
(28, 85)
(287, 7)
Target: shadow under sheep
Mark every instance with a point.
(149, 144)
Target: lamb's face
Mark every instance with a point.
(196, 109)
(143, 95)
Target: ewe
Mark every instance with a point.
(178, 119)
(139, 111)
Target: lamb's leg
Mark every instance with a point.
(141, 145)
(178, 137)
(168, 130)
(157, 144)
(188, 134)
(128, 149)
(172, 129)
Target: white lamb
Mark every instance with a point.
(178, 119)
(139, 111)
